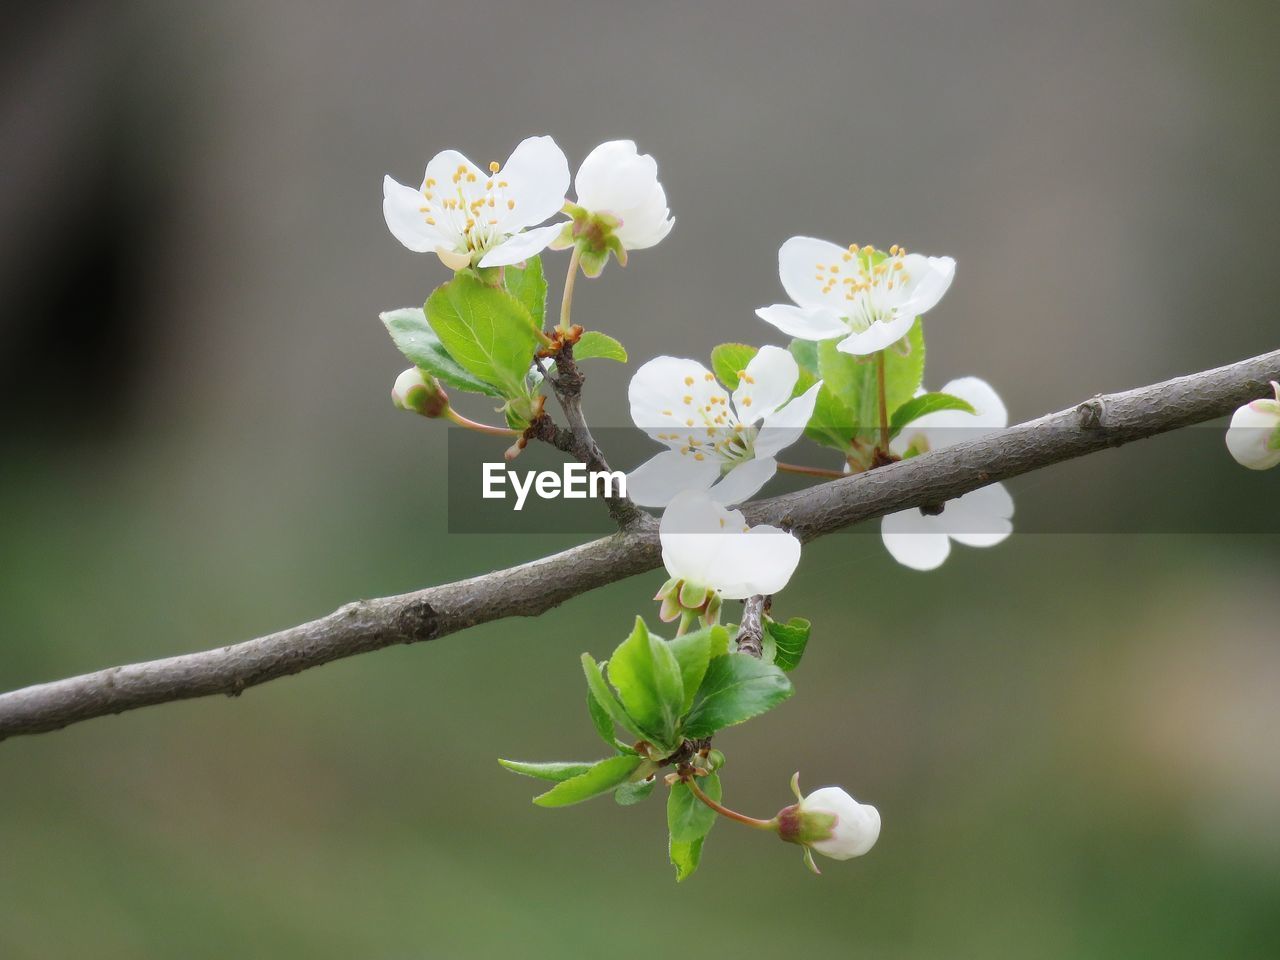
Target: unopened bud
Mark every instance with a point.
(420, 393)
(830, 822)
(1254, 435)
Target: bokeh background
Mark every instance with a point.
(1071, 738)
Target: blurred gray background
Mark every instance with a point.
(1070, 738)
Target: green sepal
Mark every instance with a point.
(556, 772)
(414, 338)
(736, 688)
(528, 284)
(917, 407)
(599, 778)
(729, 360)
(486, 330)
(593, 344)
(784, 643)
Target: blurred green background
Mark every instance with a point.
(1071, 739)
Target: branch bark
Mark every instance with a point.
(533, 588)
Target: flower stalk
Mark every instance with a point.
(692, 783)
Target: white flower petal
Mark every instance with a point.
(538, 177)
(765, 384)
(857, 825)
(615, 177)
(656, 481)
(1252, 432)
(522, 246)
(759, 561)
(704, 543)
(672, 398)
(915, 540)
(405, 221)
(981, 518)
(804, 323)
(931, 278)
(744, 481)
(784, 427)
(878, 336)
(799, 260)
(944, 428)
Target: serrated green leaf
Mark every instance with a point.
(547, 771)
(831, 423)
(594, 344)
(646, 675)
(604, 697)
(788, 640)
(486, 330)
(600, 778)
(414, 338)
(528, 285)
(688, 818)
(917, 407)
(631, 793)
(729, 360)
(693, 652)
(604, 725)
(685, 858)
(853, 382)
(736, 687)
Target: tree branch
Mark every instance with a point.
(533, 588)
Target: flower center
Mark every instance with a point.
(469, 207)
(872, 282)
(712, 427)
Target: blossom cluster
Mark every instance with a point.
(850, 380)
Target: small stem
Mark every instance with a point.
(810, 471)
(566, 302)
(462, 421)
(686, 618)
(724, 811)
(884, 404)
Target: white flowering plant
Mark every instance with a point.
(848, 378)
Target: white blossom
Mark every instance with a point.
(708, 546)
(981, 518)
(868, 298)
(468, 216)
(1254, 435)
(716, 442)
(617, 180)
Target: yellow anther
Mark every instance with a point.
(847, 257)
(667, 413)
(898, 264)
(688, 399)
(893, 250)
(698, 456)
(747, 377)
(746, 401)
(431, 182)
(853, 248)
(502, 184)
(511, 204)
(494, 166)
(708, 377)
(462, 168)
(488, 185)
(688, 423)
(688, 381)
(471, 178)
(431, 220)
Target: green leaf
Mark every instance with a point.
(593, 344)
(529, 286)
(418, 342)
(854, 383)
(486, 330)
(630, 793)
(729, 360)
(646, 675)
(599, 778)
(806, 354)
(693, 652)
(831, 423)
(685, 857)
(547, 771)
(736, 687)
(605, 699)
(688, 818)
(917, 407)
(787, 640)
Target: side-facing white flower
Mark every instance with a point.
(468, 216)
(829, 821)
(1254, 435)
(726, 445)
(705, 545)
(868, 297)
(978, 519)
(620, 206)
